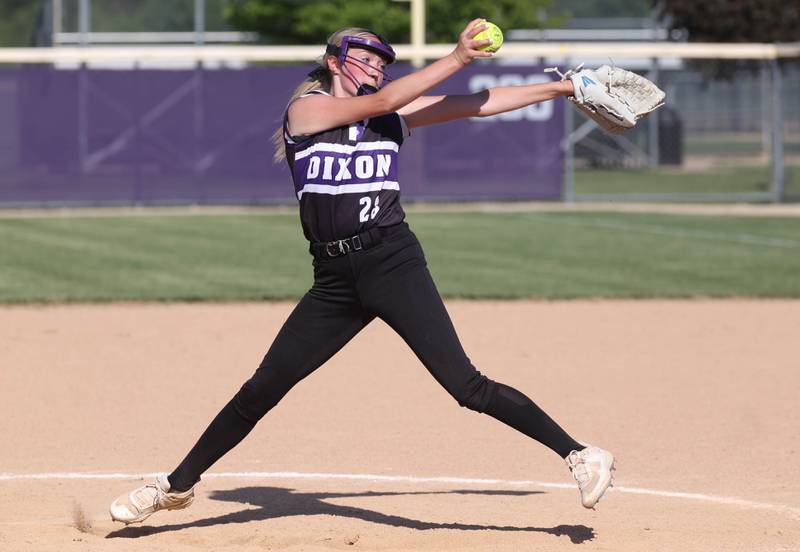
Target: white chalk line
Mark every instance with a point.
(789, 511)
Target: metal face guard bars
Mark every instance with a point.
(380, 47)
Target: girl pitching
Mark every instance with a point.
(341, 135)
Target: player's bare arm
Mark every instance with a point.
(428, 110)
(316, 113)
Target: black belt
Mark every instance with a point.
(364, 240)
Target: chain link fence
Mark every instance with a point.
(730, 131)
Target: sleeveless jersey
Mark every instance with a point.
(346, 178)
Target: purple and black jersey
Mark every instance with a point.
(346, 178)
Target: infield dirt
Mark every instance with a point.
(698, 400)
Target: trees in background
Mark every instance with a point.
(21, 19)
(311, 21)
(18, 21)
(735, 20)
(145, 15)
(601, 9)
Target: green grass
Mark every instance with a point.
(732, 144)
(728, 180)
(502, 255)
(704, 146)
(152, 258)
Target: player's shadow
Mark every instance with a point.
(277, 502)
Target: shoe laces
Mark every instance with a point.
(577, 465)
(142, 496)
(611, 75)
(564, 76)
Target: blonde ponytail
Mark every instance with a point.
(319, 79)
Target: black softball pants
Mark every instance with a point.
(390, 281)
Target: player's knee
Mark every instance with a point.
(473, 393)
(260, 394)
(249, 401)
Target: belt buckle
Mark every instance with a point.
(343, 247)
(333, 249)
(337, 247)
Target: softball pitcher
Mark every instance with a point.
(341, 135)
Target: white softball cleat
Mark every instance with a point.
(140, 503)
(591, 468)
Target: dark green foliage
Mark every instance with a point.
(19, 18)
(145, 15)
(446, 18)
(736, 20)
(733, 21)
(605, 8)
(18, 21)
(292, 22)
(311, 21)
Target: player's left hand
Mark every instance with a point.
(614, 98)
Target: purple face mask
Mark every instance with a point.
(380, 47)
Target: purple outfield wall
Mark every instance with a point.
(98, 137)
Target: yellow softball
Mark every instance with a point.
(492, 32)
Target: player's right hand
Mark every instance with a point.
(467, 48)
